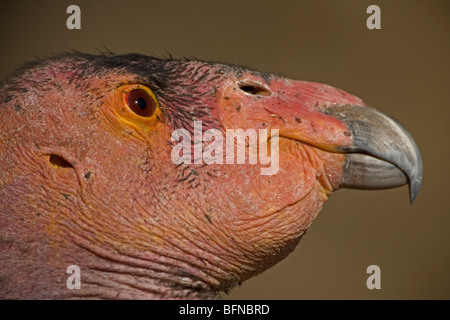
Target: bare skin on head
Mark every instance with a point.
(88, 180)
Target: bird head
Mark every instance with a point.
(104, 165)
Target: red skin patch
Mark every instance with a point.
(121, 210)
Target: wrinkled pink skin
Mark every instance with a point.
(121, 214)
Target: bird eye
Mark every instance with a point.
(141, 103)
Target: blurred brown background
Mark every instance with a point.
(402, 69)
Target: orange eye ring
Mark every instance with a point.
(141, 103)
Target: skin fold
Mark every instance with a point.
(86, 181)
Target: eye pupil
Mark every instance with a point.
(141, 103)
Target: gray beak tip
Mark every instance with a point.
(414, 187)
(383, 154)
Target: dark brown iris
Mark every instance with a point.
(141, 103)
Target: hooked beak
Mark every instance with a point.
(379, 152)
(382, 154)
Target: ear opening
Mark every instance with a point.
(59, 162)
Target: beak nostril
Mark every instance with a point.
(254, 89)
